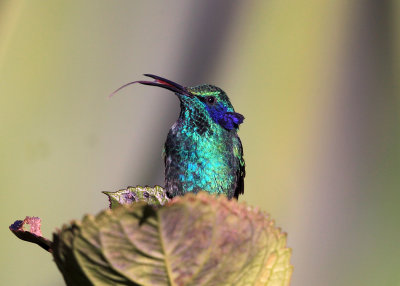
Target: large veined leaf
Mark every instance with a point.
(192, 240)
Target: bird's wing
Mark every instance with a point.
(164, 154)
(241, 170)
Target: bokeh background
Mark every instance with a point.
(317, 81)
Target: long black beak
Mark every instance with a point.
(158, 81)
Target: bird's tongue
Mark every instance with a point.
(158, 81)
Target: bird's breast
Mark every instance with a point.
(197, 162)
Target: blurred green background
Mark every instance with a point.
(317, 81)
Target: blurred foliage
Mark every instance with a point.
(197, 239)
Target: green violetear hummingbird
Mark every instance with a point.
(202, 150)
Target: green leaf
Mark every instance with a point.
(193, 240)
(153, 196)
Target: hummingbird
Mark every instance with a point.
(203, 151)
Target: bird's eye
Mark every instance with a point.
(210, 99)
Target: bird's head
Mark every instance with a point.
(207, 100)
(215, 101)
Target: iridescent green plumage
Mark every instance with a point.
(202, 150)
(200, 154)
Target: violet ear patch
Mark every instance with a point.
(231, 120)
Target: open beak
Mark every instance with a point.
(160, 82)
